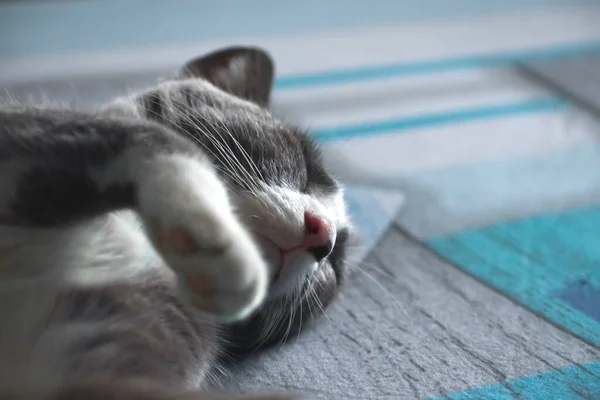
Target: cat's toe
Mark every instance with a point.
(191, 223)
(226, 304)
(234, 285)
(227, 277)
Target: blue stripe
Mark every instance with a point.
(445, 118)
(549, 263)
(569, 383)
(435, 66)
(371, 211)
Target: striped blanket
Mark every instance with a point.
(477, 169)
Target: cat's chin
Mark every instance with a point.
(279, 320)
(292, 275)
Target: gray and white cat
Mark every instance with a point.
(141, 242)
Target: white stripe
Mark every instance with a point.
(342, 48)
(383, 157)
(450, 200)
(357, 103)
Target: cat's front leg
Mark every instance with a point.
(191, 222)
(61, 168)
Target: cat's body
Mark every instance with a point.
(141, 242)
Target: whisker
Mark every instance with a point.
(196, 124)
(320, 304)
(212, 123)
(301, 319)
(395, 302)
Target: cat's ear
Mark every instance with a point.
(245, 72)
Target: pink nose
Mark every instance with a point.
(318, 235)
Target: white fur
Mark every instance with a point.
(177, 191)
(37, 264)
(278, 214)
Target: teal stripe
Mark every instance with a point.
(436, 66)
(445, 118)
(536, 261)
(569, 383)
(35, 28)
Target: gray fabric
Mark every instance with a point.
(577, 77)
(414, 327)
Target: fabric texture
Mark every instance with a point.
(475, 186)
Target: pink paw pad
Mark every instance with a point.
(182, 242)
(206, 305)
(201, 285)
(204, 291)
(177, 239)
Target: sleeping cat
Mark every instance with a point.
(141, 243)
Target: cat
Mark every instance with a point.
(143, 243)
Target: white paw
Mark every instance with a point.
(191, 223)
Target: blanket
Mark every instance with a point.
(475, 187)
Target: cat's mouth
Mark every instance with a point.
(274, 254)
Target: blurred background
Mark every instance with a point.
(473, 112)
(400, 92)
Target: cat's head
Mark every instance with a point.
(277, 181)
